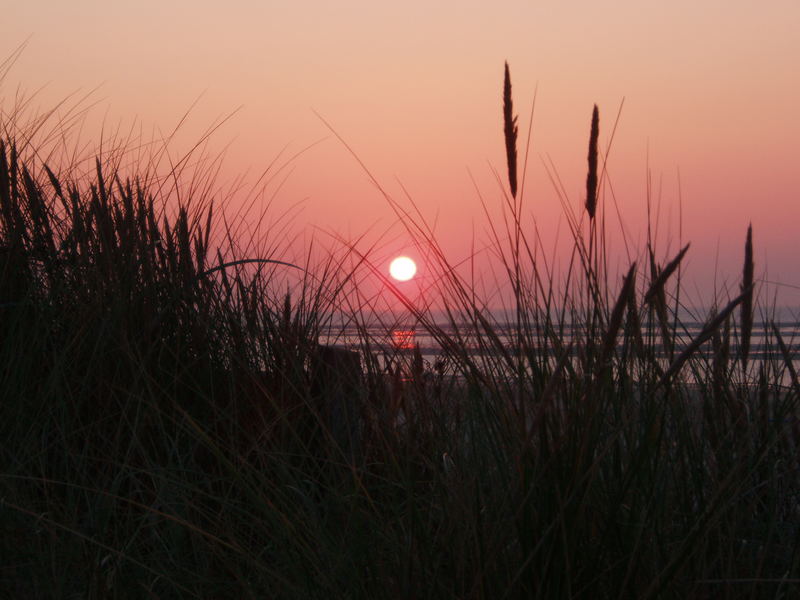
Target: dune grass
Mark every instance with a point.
(166, 430)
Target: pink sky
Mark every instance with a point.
(711, 91)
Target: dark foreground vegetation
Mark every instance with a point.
(170, 427)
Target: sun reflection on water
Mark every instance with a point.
(403, 339)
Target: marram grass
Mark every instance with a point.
(171, 429)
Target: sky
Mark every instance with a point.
(707, 95)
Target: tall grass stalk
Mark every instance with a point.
(747, 302)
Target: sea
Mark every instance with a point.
(389, 339)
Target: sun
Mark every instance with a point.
(402, 268)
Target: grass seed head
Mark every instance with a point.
(591, 178)
(510, 130)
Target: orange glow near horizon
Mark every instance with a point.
(708, 129)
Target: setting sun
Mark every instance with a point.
(402, 268)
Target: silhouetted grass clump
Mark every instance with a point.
(172, 427)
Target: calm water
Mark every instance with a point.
(405, 338)
(388, 343)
